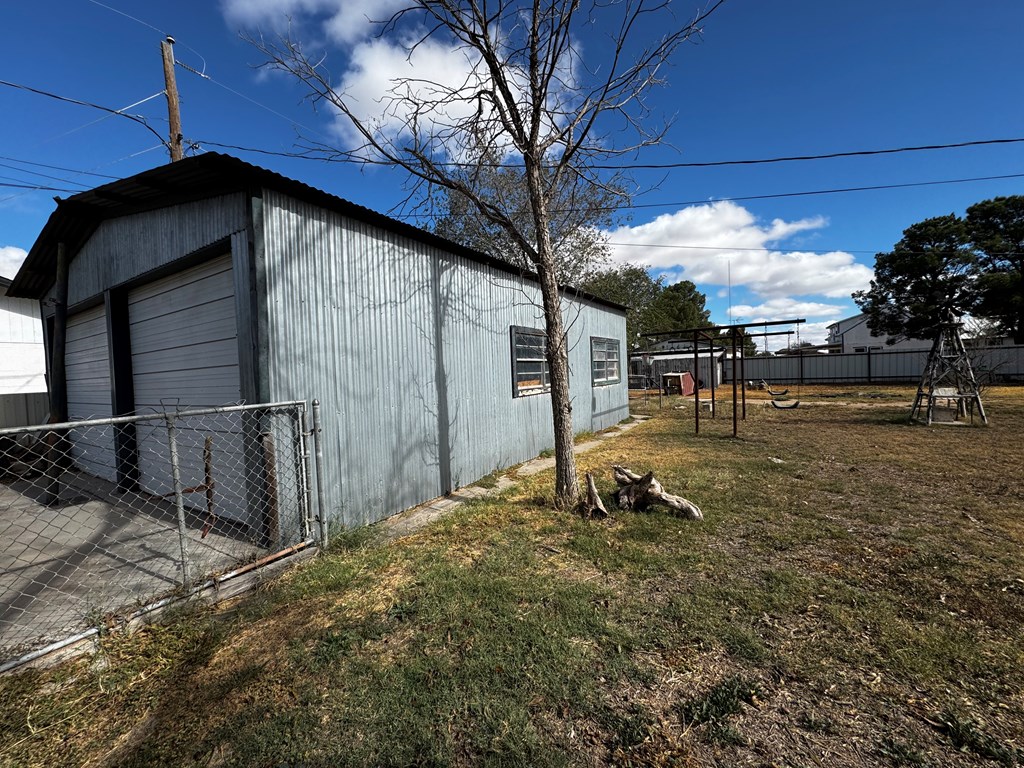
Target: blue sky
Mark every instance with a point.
(768, 79)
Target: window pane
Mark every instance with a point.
(604, 360)
(530, 368)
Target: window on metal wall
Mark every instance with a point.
(530, 374)
(604, 361)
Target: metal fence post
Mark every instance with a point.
(302, 428)
(318, 457)
(179, 499)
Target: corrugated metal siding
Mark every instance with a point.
(19, 320)
(124, 248)
(23, 410)
(407, 348)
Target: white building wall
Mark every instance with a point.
(22, 360)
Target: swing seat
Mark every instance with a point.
(768, 388)
(785, 406)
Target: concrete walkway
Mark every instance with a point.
(412, 520)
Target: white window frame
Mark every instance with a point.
(528, 360)
(603, 352)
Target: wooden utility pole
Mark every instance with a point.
(171, 90)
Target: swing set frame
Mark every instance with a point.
(735, 333)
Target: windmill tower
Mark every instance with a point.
(948, 377)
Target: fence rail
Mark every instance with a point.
(991, 365)
(102, 518)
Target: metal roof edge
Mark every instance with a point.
(79, 215)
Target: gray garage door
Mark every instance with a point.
(88, 376)
(185, 355)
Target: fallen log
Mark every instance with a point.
(592, 507)
(639, 492)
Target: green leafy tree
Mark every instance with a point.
(996, 230)
(633, 287)
(927, 277)
(681, 306)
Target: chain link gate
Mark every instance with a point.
(102, 519)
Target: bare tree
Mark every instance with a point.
(520, 90)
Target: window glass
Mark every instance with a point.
(530, 374)
(604, 361)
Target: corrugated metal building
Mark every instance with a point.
(210, 281)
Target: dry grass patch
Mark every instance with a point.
(854, 597)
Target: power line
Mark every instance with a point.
(837, 190)
(58, 168)
(28, 189)
(778, 195)
(203, 73)
(150, 26)
(135, 118)
(800, 158)
(40, 174)
(33, 188)
(349, 157)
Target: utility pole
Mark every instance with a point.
(171, 90)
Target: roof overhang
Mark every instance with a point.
(198, 178)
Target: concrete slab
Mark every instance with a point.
(94, 554)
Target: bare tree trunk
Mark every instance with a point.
(567, 491)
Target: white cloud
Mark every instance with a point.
(11, 257)
(386, 80)
(727, 242)
(343, 21)
(784, 308)
(378, 81)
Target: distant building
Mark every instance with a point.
(23, 398)
(852, 335)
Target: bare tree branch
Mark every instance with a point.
(519, 90)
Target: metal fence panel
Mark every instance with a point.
(994, 364)
(91, 534)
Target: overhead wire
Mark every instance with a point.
(38, 173)
(350, 157)
(67, 99)
(41, 188)
(58, 167)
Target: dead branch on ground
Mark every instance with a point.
(638, 492)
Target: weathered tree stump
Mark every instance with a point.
(592, 507)
(638, 493)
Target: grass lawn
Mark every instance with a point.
(854, 597)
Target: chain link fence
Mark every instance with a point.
(101, 518)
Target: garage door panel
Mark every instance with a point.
(203, 293)
(202, 324)
(185, 355)
(195, 357)
(182, 279)
(87, 364)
